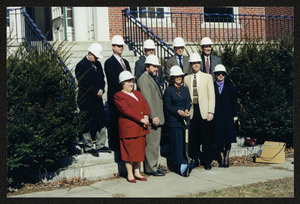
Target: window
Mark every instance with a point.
(7, 18)
(216, 14)
(69, 16)
(139, 14)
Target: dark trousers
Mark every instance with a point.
(200, 134)
(113, 132)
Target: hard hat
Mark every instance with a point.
(96, 49)
(149, 44)
(195, 57)
(178, 42)
(206, 41)
(152, 59)
(117, 40)
(176, 71)
(125, 75)
(220, 68)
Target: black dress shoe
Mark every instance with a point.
(93, 152)
(104, 149)
(207, 167)
(162, 170)
(156, 173)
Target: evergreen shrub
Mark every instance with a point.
(42, 121)
(263, 76)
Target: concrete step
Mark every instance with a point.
(104, 167)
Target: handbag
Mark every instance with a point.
(250, 141)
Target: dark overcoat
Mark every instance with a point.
(90, 80)
(225, 110)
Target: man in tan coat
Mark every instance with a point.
(202, 94)
(152, 93)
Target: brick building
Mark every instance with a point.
(101, 23)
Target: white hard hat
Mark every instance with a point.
(125, 75)
(206, 41)
(176, 71)
(149, 44)
(195, 57)
(117, 40)
(220, 68)
(152, 59)
(178, 42)
(96, 49)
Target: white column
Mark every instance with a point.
(80, 22)
(101, 23)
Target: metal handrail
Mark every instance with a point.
(135, 33)
(33, 37)
(194, 26)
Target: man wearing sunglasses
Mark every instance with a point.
(113, 66)
(209, 61)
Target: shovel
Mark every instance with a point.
(185, 169)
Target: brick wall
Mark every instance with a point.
(115, 21)
(277, 27)
(188, 26)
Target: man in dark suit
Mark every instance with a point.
(113, 67)
(152, 93)
(209, 61)
(178, 59)
(149, 49)
(91, 84)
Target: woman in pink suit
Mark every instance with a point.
(133, 126)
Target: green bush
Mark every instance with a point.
(42, 121)
(263, 76)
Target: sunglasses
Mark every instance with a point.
(219, 73)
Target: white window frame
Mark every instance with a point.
(161, 22)
(234, 24)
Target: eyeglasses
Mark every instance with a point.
(219, 73)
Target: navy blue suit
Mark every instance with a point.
(175, 100)
(112, 69)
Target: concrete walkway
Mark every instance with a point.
(173, 185)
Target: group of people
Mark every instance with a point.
(192, 88)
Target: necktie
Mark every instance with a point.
(180, 62)
(207, 65)
(123, 64)
(195, 93)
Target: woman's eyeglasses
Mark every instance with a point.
(219, 73)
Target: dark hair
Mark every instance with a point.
(171, 81)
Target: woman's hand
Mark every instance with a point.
(181, 113)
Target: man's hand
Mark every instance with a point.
(210, 117)
(100, 93)
(155, 121)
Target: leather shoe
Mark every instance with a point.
(207, 167)
(140, 178)
(131, 181)
(104, 149)
(156, 173)
(93, 152)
